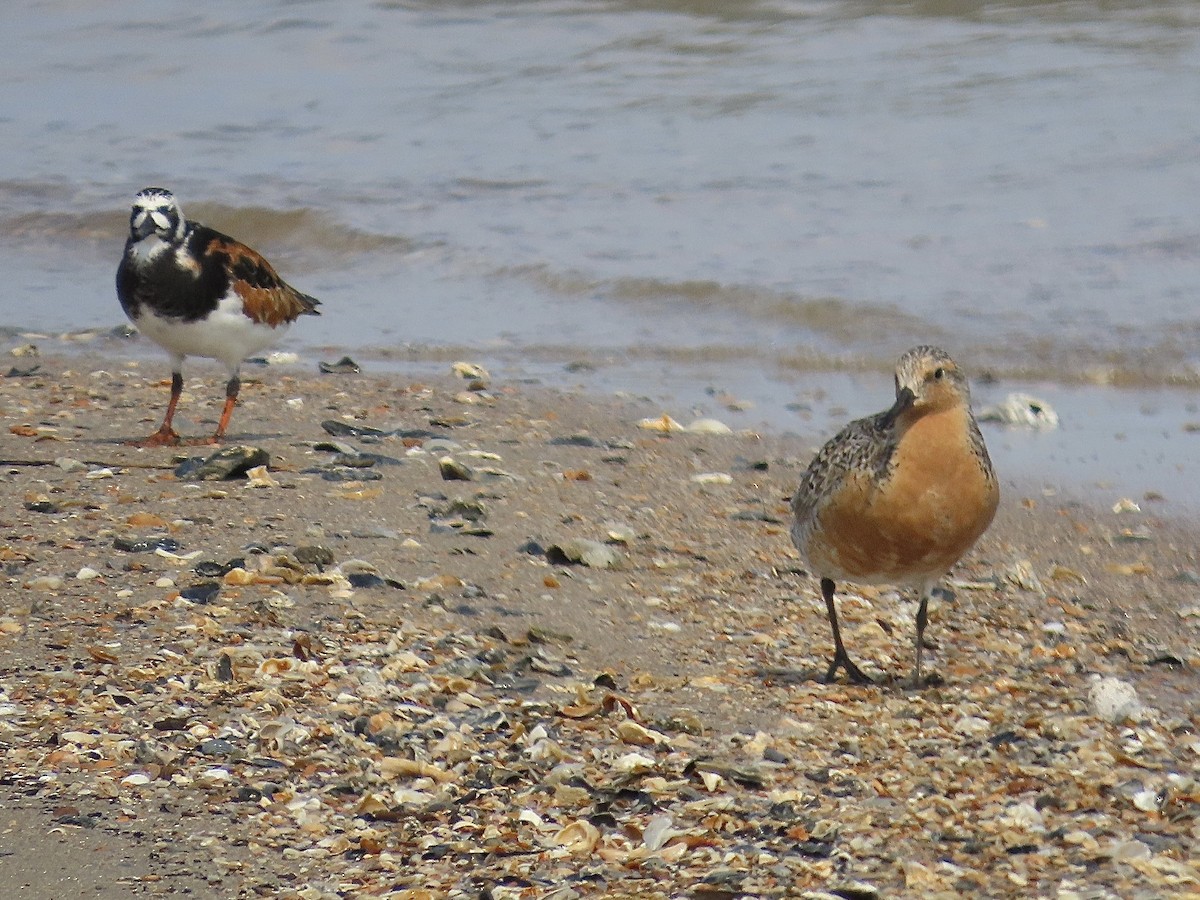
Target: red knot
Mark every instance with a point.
(897, 498)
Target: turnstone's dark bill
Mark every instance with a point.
(197, 292)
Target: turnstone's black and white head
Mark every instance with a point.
(197, 292)
(157, 212)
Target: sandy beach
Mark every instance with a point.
(468, 638)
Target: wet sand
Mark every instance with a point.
(405, 688)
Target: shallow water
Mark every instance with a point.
(771, 199)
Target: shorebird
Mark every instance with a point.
(897, 498)
(197, 292)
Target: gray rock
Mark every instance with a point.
(226, 463)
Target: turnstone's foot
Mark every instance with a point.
(164, 437)
(211, 441)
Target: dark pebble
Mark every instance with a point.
(343, 429)
(727, 877)
(227, 463)
(216, 747)
(1166, 659)
(472, 510)
(333, 447)
(575, 440)
(314, 555)
(344, 366)
(145, 545)
(371, 580)
(755, 515)
(202, 592)
(342, 473)
(516, 684)
(546, 667)
(494, 720)
(41, 506)
(453, 470)
(1003, 738)
(353, 460)
(210, 569)
(815, 849)
(81, 820)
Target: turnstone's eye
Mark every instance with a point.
(939, 373)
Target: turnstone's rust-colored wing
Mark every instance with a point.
(266, 298)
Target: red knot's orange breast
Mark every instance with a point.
(910, 522)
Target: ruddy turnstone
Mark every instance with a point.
(897, 498)
(197, 292)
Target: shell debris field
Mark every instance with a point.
(356, 678)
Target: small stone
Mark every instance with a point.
(344, 366)
(345, 429)
(314, 555)
(470, 371)
(972, 726)
(144, 545)
(709, 426)
(216, 747)
(70, 464)
(592, 554)
(259, 477)
(713, 478)
(367, 580)
(202, 592)
(663, 424)
(1021, 410)
(226, 463)
(46, 583)
(1114, 700)
(575, 440)
(619, 533)
(453, 470)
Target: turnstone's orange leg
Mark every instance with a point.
(165, 436)
(231, 394)
(841, 659)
